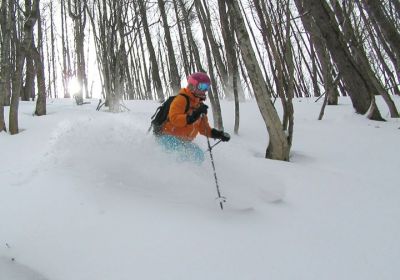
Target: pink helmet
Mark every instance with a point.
(199, 83)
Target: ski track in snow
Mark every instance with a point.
(88, 147)
(12, 270)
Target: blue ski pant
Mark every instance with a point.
(185, 150)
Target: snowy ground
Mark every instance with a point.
(88, 195)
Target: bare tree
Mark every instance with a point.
(391, 34)
(182, 43)
(22, 48)
(357, 50)
(5, 85)
(352, 74)
(195, 61)
(37, 54)
(213, 93)
(109, 18)
(153, 58)
(53, 52)
(76, 11)
(205, 21)
(278, 147)
(28, 90)
(144, 69)
(279, 42)
(331, 94)
(234, 84)
(173, 68)
(66, 60)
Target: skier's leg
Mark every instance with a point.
(194, 153)
(186, 151)
(170, 143)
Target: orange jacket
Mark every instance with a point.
(176, 124)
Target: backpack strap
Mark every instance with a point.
(187, 107)
(187, 102)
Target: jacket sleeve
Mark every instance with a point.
(205, 128)
(177, 115)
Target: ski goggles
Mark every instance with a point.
(203, 86)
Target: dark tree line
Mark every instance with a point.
(267, 50)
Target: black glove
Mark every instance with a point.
(217, 134)
(197, 113)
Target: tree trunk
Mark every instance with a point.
(220, 66)
(22, 49)
(38, 58)
(28, 90)
(278, 147)
(5, 23)
(322, 53)
(153, 58)
(360, 56)
(353, 76)
(194, 51)
(53, 54)
(66, 70)
(186, 65)
(78, 15)
(381, 59)
(173, 68)
(213, 94)
(145, 70)
(17, 85)
(234, 84)
(390, 32)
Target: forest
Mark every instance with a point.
(270, 51)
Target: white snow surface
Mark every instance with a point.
(88, 195)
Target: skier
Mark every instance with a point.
(184, 122)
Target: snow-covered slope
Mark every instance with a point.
(89, 195)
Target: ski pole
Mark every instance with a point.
(210, 148)
(220, 198)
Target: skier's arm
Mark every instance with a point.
(205, 128)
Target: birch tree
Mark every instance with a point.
(76, 11)
(278, 147)
(23, 47)
(352, 74)
(5, 78)
(174, 75)
(153, 58)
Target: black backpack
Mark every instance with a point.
(161, 114)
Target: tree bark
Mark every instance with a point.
(194, 54)
(22, 49)
(220, 66)
(173, 68)
(28, 90)
(38, 58)
(354, 78)
(5, 88)
(53, 53)
(360, 56)
(66, 68)
(78, 15)
(278, 147)
(390, 32)
(186, 64)
(234, 84)
(213, 94)
(322, 53)
(153, 58)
